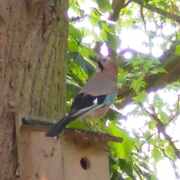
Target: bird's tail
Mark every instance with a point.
(59, 126)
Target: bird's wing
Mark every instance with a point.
(99, 85)
(82, 104)
(85, 101)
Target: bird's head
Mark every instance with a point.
(107, 64)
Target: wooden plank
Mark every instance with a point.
(40, 157)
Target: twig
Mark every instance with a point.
(176, 114)
(176, 172)
(143, 18)
(157, 10)
(77, 18)
(127, 3)
(161, 129)
(134, 52)
(117, 5)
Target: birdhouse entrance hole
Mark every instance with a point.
(85, 163)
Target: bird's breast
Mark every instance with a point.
(98, 113)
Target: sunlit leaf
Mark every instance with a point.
(138, 84)
(140, 97)
(124, 149)
(104, 5)
(178, 50)
(170, 152)
(156, 154)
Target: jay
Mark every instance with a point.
(94, 99)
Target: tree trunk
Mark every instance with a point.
(33, 35)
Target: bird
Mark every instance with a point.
(95, 98)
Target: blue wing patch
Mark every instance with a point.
(110, 99)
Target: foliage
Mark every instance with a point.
(90, 22)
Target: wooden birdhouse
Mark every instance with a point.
(76, 155)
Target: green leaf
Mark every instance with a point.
(124, 149)
(72, 45)
(152, 124)
(140, 97)
(163, 116)
(170, 152)
(75, 33)
(158, 102)
(178, 36)
(126, 166)
(156, 154)
(78, 125)
(77, 72)
(177, 52)
(138, 84)
(152, 177)
(104, 5)
(95, 17)
(122, 76)
(112, 40)
(85, 51)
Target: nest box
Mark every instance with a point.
(75, 155)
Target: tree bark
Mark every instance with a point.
(33, 36)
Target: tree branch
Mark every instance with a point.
(171, 64)
(174, 115)
(162, 129)
(134, 53)
(162, 12)
(117, 5)
(77, 18)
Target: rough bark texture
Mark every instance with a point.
(33, 37)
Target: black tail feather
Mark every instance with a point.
(59, 126)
